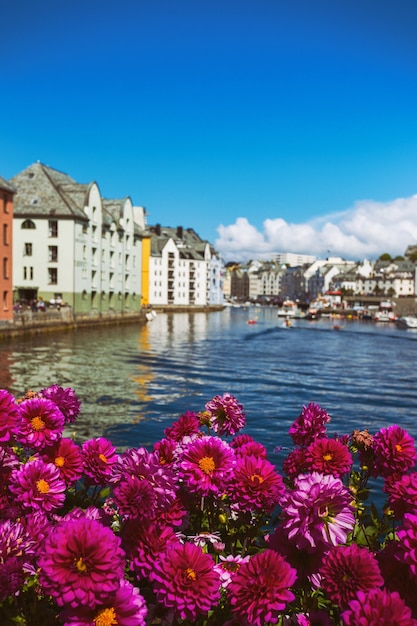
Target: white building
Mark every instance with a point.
(73, 246)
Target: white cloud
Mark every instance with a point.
(367, 229)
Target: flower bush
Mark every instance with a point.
(203, 529)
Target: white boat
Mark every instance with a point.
(407, 321)
(289, 309)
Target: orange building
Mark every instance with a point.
(7, 192)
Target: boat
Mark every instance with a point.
(407, 321)
(289, 308)
(150, 315)
(385, 313)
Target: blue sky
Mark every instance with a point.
(267, 125)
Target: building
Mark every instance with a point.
(184, 270)
(73, 246)
(7, 192)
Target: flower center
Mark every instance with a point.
(327, 457)
(59, 461)
(206, 464)
(257, 478)
(106, 617)
(80, 565)
(190, 574)
(42, 486)
(37, 423)
(398, 447)
(103, 458)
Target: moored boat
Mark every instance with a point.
(407, 321)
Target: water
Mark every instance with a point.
(134, 381)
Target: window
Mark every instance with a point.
(52, 254)
(5, 234)
(31, 273)
(5, 300)
(52, 275)
(5, 267)
(5, 208)
(27, 224)
(53, 228)
(28, 249)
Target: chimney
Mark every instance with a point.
(180, 232)
(158, 229)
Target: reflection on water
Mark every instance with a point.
(133, 381)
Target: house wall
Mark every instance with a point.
(6, 255)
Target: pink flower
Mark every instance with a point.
(135, 498)
(9, 416)
(81, 564)
(260, 589)
(228, 566)
(394, 450)
(184, 580)
(407, 536)
(188, 424)
(402, 493)
(144, 543)
(296, 462)
(309, 425)
(226, 414)
(65, 399)
(256, 485)
(206, 466)
(318, 511)
(66, 456)
(38, 486)
(328, 456)
(126, 607)
(378, 607)
(42, 423)
(346, 570)
(99, 456)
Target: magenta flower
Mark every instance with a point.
(38, 486)
(241, 440)
(407, 536)
(165, 451)
(66, 456)
(125, 608)
(309, 425)
(81, 564)
(397, 574)
(296, 462)
(144, 543)
(145, 466)
(306, 561)
(226, 414)
(318, 511)
(184, 580)
(346, 570)
(187, 425)
(12, 577)
(99, 456)
(252, 448)
(260, 589)
(42, 423)
(206, 466)
(9, 416)
(135, 498)
(328, 456)
(256, 485)
(394, 451)
(402, 493)
(378, 607)
(65, 399)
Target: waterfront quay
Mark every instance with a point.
(29, 322)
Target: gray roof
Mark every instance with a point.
(6, 186)
(43, 191)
